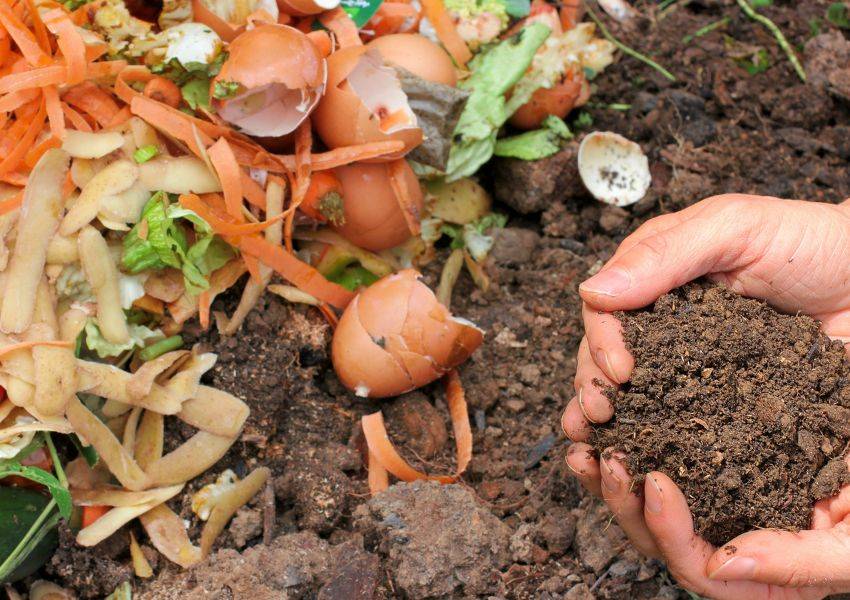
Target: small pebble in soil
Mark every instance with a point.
(728, 399)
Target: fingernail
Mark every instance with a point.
(736, 568)
(580, 399)
(654, 500)
(609, 282)
(604, 362)
(610, 481)
(569, 466)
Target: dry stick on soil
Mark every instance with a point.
(777, 33)
(626, 49)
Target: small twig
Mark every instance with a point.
(626, 49)
(705, 30)
(777, 33)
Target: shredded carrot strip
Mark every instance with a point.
(379, 478)
(17, 178)
(27, 80)
(218, 222)
(436, 13)
(15, 100)
(253, 192)
(300, 274)
(303, 159)
(54, 112)
(93, 101)
(253, 266)
(16, 156)
(75, 118)
(398, 182)
(70, 43)
(230, 174)
(38, 150)
(121, 117)
(204, 303)
(338, 157)
(387, 456)
(161, 117)
(23, 37)
(106, 68)
(5, 47)
(29, 344)
(13, 203)
(342, 26)
(38, 26)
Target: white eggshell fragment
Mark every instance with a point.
(613, 169)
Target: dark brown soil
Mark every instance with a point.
(717, 129)
(744, 407)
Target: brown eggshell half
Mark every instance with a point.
(304, 8)
(373, 218)
(282, 76)
(361, 364)
(343, 118)
(401, 318)
(417, 54)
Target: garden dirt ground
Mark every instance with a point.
(517, 526)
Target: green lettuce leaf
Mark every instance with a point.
(494, 73)
(139, 335)
(537, 144)
(166, 244)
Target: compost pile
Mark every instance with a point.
(744, 407)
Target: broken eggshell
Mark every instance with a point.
(417, 54)
(613, 169)
(373, 216)
(304, 8)
(395, 336)
(274, 96)
(364, 103)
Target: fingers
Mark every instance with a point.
(605, 345)
(590, 405)
(618, 490)
(784, 558)
(713, 238)
(669, 520)
(574, 423)
(581, 461)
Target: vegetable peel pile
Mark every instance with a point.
(151, 161)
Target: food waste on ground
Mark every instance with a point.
(152, 159)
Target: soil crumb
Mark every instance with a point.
(744, 407)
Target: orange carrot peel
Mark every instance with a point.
(384, 457)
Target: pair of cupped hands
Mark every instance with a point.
(796, 256)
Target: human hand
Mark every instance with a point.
(792, 254)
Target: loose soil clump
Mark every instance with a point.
(744, 407)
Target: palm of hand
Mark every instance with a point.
(795, 256)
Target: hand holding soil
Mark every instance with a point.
(790, 254)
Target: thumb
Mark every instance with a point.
(796, 559)
(715, 239)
